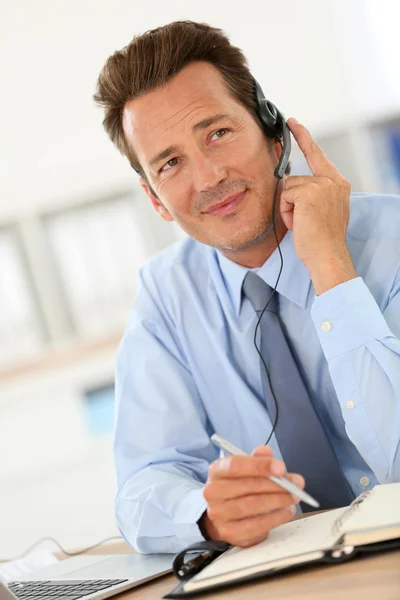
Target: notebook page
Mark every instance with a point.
(381, 508)
(297, 537)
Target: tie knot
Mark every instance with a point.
(259, 293)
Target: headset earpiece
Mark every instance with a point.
(267, 113)
(274, 125)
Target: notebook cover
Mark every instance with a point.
(178, 591)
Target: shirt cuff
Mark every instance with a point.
(188, 512)
(346, 317)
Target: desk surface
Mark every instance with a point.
(375, 577)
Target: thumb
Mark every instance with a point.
(286, 209)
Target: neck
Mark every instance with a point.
(255, 256)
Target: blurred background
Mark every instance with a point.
(75, 226)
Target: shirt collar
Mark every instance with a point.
(294, 282)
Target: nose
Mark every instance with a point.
(207, 172)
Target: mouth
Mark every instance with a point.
(226, 206)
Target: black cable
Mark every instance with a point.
(263, 311)
(51, 539)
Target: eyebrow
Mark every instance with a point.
(203, 124)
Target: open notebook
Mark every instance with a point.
(370, 523)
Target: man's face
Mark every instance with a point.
(205, 157)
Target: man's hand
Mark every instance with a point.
(243, 504)
(317, 208)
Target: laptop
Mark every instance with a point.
(88, 577)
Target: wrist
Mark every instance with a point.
(330, 270)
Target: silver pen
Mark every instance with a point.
(287, 485)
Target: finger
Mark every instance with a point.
(289, 198)
(249, 506)
(262, 451)
(246, 466)
(255, 525)
(253, 541)
(240, 533)
(316, 159)
(295, 193)
(226, 489)
(297, 479)
(296, 180)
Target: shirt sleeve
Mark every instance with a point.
(362, 347)
(162, 447)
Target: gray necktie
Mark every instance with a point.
(301, 438)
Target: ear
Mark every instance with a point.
(278, 149)
(157, 205)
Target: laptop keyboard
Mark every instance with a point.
(61, 590)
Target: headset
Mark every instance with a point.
(274, 126)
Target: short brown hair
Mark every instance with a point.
(153, 58)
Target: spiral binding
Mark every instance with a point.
(354, 506)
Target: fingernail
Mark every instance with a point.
(296, 499)
(292, 509)
(294, 120)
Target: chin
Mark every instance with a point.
(242, 241)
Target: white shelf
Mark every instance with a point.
(79, 268)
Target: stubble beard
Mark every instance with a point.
(238, 244)
(263, 228)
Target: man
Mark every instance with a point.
(179, 103)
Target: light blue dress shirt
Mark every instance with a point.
(187, 367)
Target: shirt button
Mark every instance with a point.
(326, 325)
(350, 404)
(364, 481)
